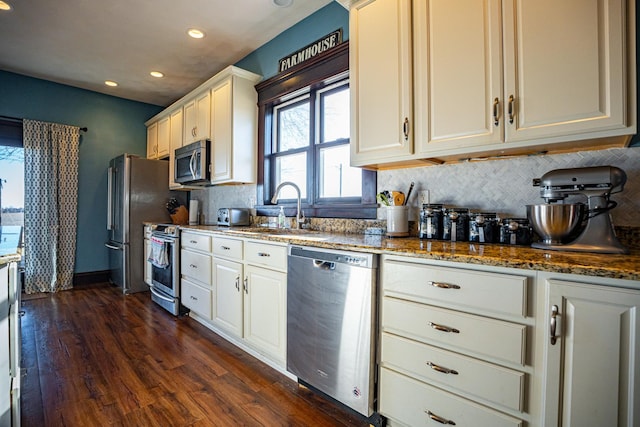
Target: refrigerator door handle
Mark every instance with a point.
(113, 247)
(110, 199)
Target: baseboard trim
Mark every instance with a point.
(90, 278)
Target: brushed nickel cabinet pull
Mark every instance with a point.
(443, 328)
(552, 329)
(193, 241)
(496, 103)
(511, 101)
(246, 285)
(265, 254)
(225, 248)
(405, 128)
(439, 419)
(193, 298)
(441, 369)
(193, 266)
(442, 285)
(238, 283)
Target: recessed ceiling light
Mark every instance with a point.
(282, 3)
(110, 83)
(4, 5)
(156, 74)
(196, 34)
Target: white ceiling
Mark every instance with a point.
(82, 43)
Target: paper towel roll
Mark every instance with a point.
(193, 212)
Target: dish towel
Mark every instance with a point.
(159, 253)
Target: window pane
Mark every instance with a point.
(293, 127)
(336, 115)
(292, 168)
(11, 185)
(337, 177)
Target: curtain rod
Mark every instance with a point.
(17, 119)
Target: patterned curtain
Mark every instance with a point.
(50, 208)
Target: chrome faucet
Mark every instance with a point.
(300, 219)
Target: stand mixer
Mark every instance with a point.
(558, 226)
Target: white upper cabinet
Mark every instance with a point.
(380, 81)
(566, 66)
(197, 120)
(234, 118)
(489, 78)
(458, 79)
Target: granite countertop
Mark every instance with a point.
(589, 264)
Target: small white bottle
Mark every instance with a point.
(281, 218)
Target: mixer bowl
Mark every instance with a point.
(554, 223)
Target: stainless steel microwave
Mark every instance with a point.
(192, 163)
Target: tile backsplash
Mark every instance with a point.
(502, 185)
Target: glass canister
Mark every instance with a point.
(484, 227)
(430, 222)
(516, 231)
(455, 225)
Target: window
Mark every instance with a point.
(11, 174)
(304, 139)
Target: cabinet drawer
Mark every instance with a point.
(196, 298)
(490, 337)
(195, 266)
(200, 242)
(265, 254)
(491, 292)
(228, 248)
(436, 366)
(410, 402)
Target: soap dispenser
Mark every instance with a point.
(281, 218)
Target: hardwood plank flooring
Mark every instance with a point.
(93, 357)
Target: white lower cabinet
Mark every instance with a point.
(227, 305)
(265, 310)
(591, 352)
(455, 344)
(195, 273)
(10, 349)
(243, 298)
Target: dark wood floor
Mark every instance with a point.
(92, 357)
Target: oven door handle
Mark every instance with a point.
(156, 293)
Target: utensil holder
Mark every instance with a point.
(397, 221)
(181, 217)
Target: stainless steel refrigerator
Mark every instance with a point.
(138, 192)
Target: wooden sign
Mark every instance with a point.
(327, 42)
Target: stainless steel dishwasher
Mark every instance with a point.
(331, 323)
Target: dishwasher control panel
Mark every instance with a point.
(328, 255)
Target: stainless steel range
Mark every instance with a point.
(165, 267)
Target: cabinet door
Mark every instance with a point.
(593, 369)
(203, 116)
(380, 73)
(227, 298)
(221, 131)
(190, 117)
(265, 311)
(565, 67)
(458, 73)
(175, 141)
(164, 128)
(152, 141)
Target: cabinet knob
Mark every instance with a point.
(443, 328)
(510, 109)
(554, 324)
(438, 418)
(405, 128)
(441, 369)
(442, 285)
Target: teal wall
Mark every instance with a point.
(115, 126)
(264, 60)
